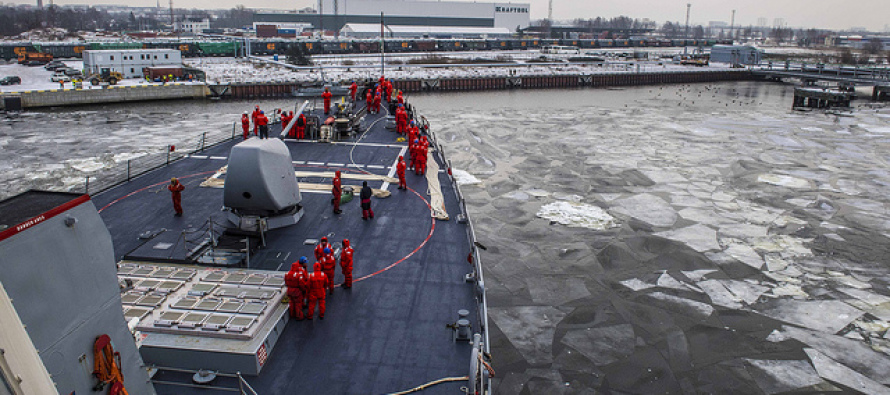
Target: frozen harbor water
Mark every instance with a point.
(677, 239)
(664, 239)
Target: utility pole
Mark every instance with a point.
(732, 28)
(382, 48)
(550, 19)
(688, 7)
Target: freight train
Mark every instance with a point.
(261, 47)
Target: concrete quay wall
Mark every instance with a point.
(109, 94)
(260, 90)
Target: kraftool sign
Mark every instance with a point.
(517, 10)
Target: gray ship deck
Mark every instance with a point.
(388, 333)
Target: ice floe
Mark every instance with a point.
(699, 237)
(647, 208)
(783, 181)
(577, 215)
(464, 178)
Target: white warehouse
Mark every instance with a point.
(129, 62)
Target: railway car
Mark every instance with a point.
(425, 45)
(396, 45)
(336, 47)
(218, 48)
(366, 46)
(62, 50)
(12, 51)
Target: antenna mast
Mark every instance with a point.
(688, 6)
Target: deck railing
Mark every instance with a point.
(110, 177)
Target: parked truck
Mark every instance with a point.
(35, 58)
(158, 73)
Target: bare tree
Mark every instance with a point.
(874, 46)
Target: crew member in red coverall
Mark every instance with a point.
(413, 152)
(346, 263)
(399, 98)
(301, 126)
(245, 124)
(352, 89)
(285, 119)
(370, 99)
(253, 116)
(422, 156)
(263, 123)
(328, 264)
(317, 281)
(338, 193)
(401, 120)
(319, 248)
(412, 135)
(400, 170)
(297, 280)
(176, 192)
(326, 96)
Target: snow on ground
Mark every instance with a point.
(38, 78)
(232, 70)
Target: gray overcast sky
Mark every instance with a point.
(832, 14)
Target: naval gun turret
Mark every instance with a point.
(261, 191)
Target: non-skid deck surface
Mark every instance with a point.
(388, 333)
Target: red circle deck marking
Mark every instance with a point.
(365, 277)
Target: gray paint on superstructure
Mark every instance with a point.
(63, 284)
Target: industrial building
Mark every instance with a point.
(365, 30)
(129, 62)
(335, 14)
(736, 54)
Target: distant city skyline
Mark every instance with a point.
(871, 14)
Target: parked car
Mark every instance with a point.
(54, 65)
(10, 80)
(73, 72)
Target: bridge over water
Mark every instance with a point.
(810, 73)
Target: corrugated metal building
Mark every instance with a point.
(736, 54)
(129, 62)
(362, 30)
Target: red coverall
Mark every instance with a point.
(338, 192)
(319, 248)
(413, 152)
(328, 264)
(421, 156)
(370, 99)
(327, 101)
(297, 281)
(301, 126)
(176, 191)
(346, 263)
(317, 281)
(245, 125)
(253, 116)
(401, 120)
(285, 119)
(400, 170)
(352, 89)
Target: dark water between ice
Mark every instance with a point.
(732, 245)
